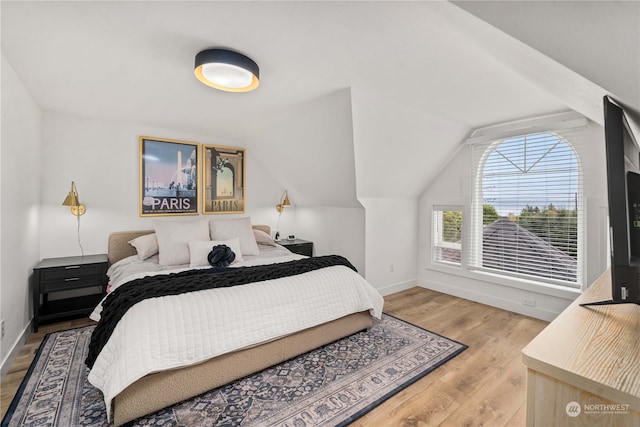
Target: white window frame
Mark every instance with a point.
(437, 240)
(488, 140)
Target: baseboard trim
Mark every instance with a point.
(15, 351)
(516, 307)
(397, 287)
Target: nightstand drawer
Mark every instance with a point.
(73, 272)
(72, 282)
(85, 276)
(302, 249)
(298, 246)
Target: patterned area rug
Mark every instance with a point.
(330, 386)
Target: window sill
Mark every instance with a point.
(512, 282)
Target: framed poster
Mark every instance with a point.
(168, 177)
(223, 180)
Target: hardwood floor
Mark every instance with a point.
(483, 386)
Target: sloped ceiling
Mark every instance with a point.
(310, 150)
(599, 40)
(346, 87)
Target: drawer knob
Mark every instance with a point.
(71, 267)
(71, 279)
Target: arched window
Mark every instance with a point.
(527, 208)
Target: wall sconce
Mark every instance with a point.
(77, 209)
(284, 203)
(72, 200)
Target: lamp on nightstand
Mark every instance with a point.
(284, 203)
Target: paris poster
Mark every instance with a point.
(168, 177)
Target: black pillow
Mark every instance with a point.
(221, 256)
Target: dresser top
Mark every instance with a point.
(594, 348)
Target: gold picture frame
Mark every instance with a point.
(223, 180)
(169, 172)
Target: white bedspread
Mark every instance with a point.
(174, 331)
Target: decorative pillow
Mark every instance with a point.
(263, 238)
(221, 256)
(224, 229)
(199, 250)
(146, 246)
(173, 238)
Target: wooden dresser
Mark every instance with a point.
(584, 368)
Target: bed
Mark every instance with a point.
(150, 360)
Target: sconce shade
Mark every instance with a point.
(284, 202)
(73, 201)
(227, 70)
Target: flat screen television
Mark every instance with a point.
(623, 188)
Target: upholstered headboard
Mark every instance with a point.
(118, 245)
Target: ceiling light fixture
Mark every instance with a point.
(227, 70)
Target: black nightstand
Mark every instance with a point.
(64, 274)
(297, 246)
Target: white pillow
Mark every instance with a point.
(146, 245)
(173, 238)
(199, 251)
(225, 229)
(263, 238)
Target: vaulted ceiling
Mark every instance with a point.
(349, 90)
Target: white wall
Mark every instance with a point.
(333, 230)
(19, 213)
(309, 151)
(452, 187)
(398, 149)
(308, 148)
(103, 160)
(391, 242)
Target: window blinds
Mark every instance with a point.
(527, 209)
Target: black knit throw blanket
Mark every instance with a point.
(131, 293)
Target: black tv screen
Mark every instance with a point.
(623, 190)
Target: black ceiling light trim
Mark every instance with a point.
(227, 70)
